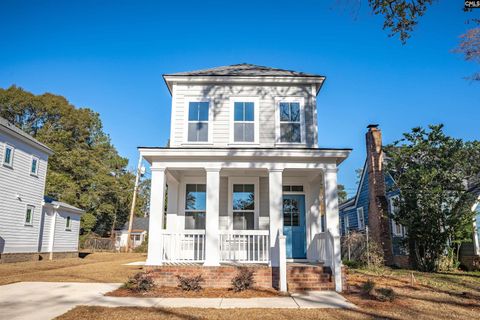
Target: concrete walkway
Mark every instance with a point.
(46, 300)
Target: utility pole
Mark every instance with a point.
(132, 209)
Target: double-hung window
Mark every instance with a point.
(360, 218)
(244, 121)
(195, 206)
(8, 155)
(397, 228)
(243, 201)
(34, 166)
(29, 215)
(198, 121)
(290, 119)
(346, 225)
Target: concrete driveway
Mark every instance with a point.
(47, 300)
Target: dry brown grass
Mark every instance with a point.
(95, 267)
(434, 296)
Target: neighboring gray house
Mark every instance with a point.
(23, 170)
(138, 234)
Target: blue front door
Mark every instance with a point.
(294, 225)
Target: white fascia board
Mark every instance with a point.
(186, 154)
(244, 79)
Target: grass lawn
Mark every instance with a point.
(433, 296)
(95, 267)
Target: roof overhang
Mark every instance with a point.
(63, 206)
(170, 80)
(30, 141)
(311, 155)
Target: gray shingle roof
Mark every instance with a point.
(246, 70)
(139, 223)
(12, 129)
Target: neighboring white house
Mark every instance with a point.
(138, 234)
(247, 181)
(23, 170)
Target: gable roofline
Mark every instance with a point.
(244, 73)
(13, 130)
(49, 201)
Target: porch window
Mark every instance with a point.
(195, 206)
(290, 122)
(243, 206)
(198, 122)
(244, 122)
(291, 213)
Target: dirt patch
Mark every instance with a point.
(173, 292)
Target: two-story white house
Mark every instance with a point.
(31, 226)
(246, 179)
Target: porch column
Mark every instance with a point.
(212, 252)
(172, 204)
(157, 205)
(276, 214)
(333, 223)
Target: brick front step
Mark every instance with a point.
(308, 277)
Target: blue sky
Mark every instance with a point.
(110, 57)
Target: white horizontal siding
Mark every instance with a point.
(15, 236)
(219, 96)
(66, 240)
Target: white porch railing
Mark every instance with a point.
(183, 246)
(247, 246)
(328, 248)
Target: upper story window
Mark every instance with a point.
(198, 121)
(195, 206)
(290, 121)
(29, 215)
(397, 229)
(360, 218)
(34, 166)
(8, 155)
(244, 120)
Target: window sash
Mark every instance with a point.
(360, 218)
(8, 156)
(34, 166)
(195, 220)
(243, 220)
(243, 121)
(29, 215)
(68, 223)
(198, 122)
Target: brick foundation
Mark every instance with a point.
(35, 256)
(214, 277)
(304, 277)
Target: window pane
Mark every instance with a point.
(203, 111)
(8, 156)
(192, 132)
(238, 129)
(196, 197)
(193, 111)
(295, 112)
(284, 111)
(296, 134)
(290, 132)
(34, 166)
(243, 221)
(238, 112)
(202, 131)
(249, 111)
(249, 132)
(297, 188)
(195, 220)
(243, 197)
(286, 188)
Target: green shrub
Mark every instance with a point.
(243, 280)
(190, 283)
(141, 281)
(385, 294)
(354, 264)
(368, 287)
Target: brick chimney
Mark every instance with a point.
(378, 222)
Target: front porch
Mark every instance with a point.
(228, 210)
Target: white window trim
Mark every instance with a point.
(393, 222)
(256, 120)
(360, 213)
(244, 180)
(35, 174)
(182, 195)
(301, 101)
(29, 224)
(5, 147)
(210, 121)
